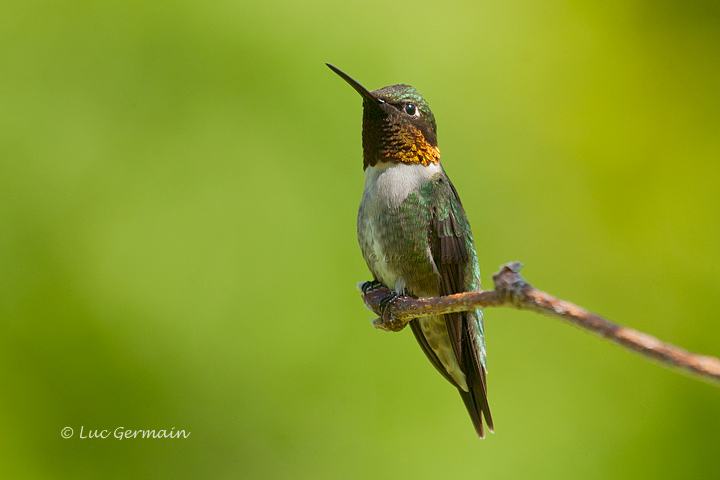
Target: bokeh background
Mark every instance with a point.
(179, 184)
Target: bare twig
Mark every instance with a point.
(512, 290)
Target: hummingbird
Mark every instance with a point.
(415, 236)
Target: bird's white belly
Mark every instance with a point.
(377, 259)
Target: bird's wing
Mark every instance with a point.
(458, 273)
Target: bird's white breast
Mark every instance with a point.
(391, 183)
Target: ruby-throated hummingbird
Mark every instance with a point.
(415, 236)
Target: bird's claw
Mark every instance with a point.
(387, 320)
(385, 303)
(367, 287)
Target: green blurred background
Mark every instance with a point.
(179, 184)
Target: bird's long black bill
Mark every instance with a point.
(353, 83)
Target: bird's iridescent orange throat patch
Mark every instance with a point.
(408, 145)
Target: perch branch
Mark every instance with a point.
(512, 290)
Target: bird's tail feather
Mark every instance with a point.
(476, 401)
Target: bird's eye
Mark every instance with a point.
(411, 109)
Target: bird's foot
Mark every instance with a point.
(380, 299)
(367, 287)
(387, 320)
(385, 304)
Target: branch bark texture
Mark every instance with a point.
(511, 290)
